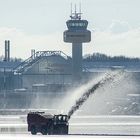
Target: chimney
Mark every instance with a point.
(33, 54)
(7, 51)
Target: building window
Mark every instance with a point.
(76, 24)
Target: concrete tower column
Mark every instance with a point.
(77, 60)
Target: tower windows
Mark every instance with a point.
(76, 24)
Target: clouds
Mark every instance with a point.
(22, 43)
(119, 27)
(118, 39)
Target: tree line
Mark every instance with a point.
(15, 59)
(104, 57)
(90, 58)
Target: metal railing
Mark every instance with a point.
(35, 57)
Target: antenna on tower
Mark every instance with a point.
(71, 9)
(80, 7)
(76, 15)
(75, 9)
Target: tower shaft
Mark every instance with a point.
(77, 60)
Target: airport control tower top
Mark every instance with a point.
(77, 29)
(76, 23)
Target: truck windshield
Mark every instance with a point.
(60, 118)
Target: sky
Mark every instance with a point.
(39, 25)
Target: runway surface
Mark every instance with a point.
(78, 125)
(40, 137)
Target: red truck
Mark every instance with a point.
(47, 123)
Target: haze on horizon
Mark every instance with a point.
(39, 25)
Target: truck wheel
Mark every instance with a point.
(64, 130)
(44, 130)
(50, 129)
(33, 130)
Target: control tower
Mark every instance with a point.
(77, 34)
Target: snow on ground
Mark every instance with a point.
(68, 137)
(15, 128)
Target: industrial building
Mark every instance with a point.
(45, 69)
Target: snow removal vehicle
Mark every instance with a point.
(47, 123)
